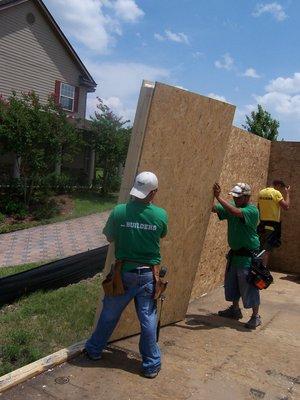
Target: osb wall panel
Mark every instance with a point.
(184, 144)
(246, 160)
(285, 165)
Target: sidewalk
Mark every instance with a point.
(204, 357)
(49, 242)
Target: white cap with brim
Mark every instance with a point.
(240, 189)
(144, 183)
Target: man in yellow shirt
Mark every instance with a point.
(270, 203)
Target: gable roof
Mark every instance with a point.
(87, 78)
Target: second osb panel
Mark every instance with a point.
(246, 160)
(184, 145)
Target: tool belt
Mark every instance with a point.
(113, 284)
(259, 276)
(159, 282)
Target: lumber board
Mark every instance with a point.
(285, 165)
(37, 367)
(131, 165)
(246, 160)
(183, 142)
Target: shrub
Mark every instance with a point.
(2, 218)
(46, 210)
(14, 208)
(58, 184)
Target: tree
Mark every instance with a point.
(110, 139)
(36, 133)
(262, 124)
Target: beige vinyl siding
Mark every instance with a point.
(32, 57)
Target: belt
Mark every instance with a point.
(140, 270)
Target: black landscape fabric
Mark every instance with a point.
(53, 275)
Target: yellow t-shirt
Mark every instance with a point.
(268, 203)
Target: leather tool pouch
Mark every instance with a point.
(112, 284)
(160, 284)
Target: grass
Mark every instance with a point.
(85, 204)
(6, 271)
(45, 322)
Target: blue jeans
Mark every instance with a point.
(139, 287)
(236, 287)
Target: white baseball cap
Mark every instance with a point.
(144, 183)
(241, 189)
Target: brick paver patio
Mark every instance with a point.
(48, 242)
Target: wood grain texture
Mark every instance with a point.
(30, 370)
(246, 160)
(285, 165)
(184, 145)
(130, 171)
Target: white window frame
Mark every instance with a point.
(68, 97)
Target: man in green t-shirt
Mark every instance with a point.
(136, 229)
(242, 218)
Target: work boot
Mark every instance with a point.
(151, 375)
(253, 322)
(231, 312)
(92, 357)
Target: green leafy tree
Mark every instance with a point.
(110, 139)
(38, 134)
(262, 124)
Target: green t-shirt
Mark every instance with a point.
(136, 229)
(241, 231)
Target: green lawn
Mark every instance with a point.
(85, 204)
(6, 271)
(44, 322)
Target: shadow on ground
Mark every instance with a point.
(210, 321)
(291, 278)
(113, 357)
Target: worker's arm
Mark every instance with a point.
(165, 221)
(235, 211)
(109, 229)
(214, 209)
(285, 203)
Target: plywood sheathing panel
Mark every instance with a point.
(131, 166)
(184, 144)
(246, 160)
(285, 165)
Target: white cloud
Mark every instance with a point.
(216, 97)
(159, 37)
(275, 9)
(128, 10)
(283, 104)
(282, 100)
(285, 85)
(282, 96)
(172, 36)
(226, 62)
(198, 54)
(119, 84)
(251, 73)
(94, 23)
(181, 87)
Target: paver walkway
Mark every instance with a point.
(49, 242)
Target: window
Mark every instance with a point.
(67, 96)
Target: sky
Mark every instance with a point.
(244, 52)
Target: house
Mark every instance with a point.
(36, 55)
